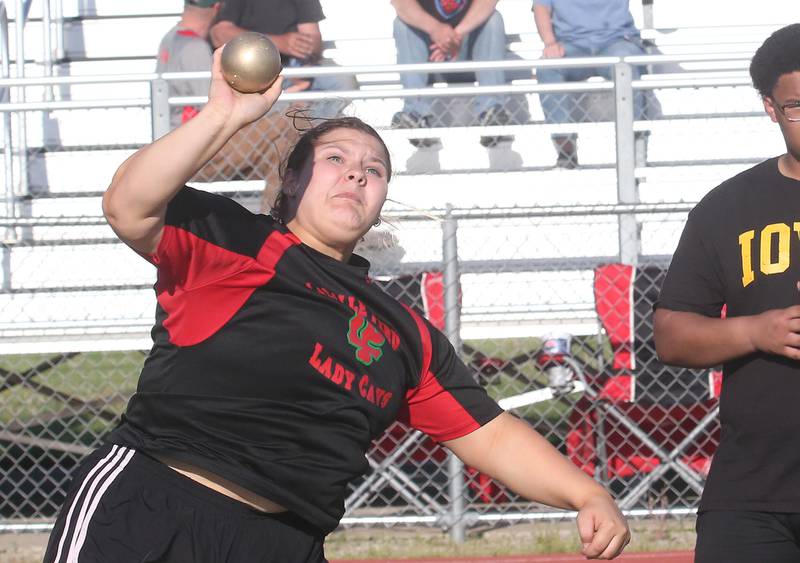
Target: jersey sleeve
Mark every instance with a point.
(206, 237)
(231, 11)
(309, 11)
(693, 283)
(545, 3)
(447, 403)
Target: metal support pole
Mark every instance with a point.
(8, 155)
(20, 16)
(647, 12)
(159, 107)
(59, 31)
(47, 47)
(452, 324)
(626, 162)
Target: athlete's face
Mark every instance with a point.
(786, 92)
(340, 191)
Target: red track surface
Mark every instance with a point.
(660, 557)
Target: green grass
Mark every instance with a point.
(653, 534)
(107, 378)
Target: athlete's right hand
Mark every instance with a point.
(239, 109)
(777, 331)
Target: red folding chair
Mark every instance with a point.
(638, 416)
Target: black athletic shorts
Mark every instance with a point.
(124, 506)
(730, 536)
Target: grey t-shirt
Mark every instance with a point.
(182, 50)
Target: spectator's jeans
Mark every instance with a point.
(568, 107)
(332, 106)
(485, 43)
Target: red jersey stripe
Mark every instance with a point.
(219, 280)
(429, 407)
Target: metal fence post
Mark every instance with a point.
(626, 162)
(159, 107)
(20, 18)
(452, 325)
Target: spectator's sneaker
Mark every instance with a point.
(567, 151)
(412, 120)
(495, 115)
(567, 162)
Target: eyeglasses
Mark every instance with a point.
(790, 111)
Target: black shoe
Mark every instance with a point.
(495, 115)
(566, 150)
(567, 162)
(412, 120)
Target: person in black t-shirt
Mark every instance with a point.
(293, 25)
(740, 248)
(276, 361)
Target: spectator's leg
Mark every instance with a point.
(563, 108)
(333, 83)
(487, 43)
(412, 48)
(622, 48)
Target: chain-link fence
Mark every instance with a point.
(543, 276)
(598, 394)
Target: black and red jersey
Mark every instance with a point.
(274, 366)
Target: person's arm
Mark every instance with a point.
(696, 341)
(543, 16)
(299, 44)
(136, 201)
(443, 36)
(311, 32)
(223, 31)
(511, 451)
(477, 13)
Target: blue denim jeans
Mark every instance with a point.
(485, 43)
(567, 107)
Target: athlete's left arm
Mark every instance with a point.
(511, 451)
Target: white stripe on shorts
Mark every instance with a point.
(98, 476)
(83, 524)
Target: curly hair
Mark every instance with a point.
(304, 147)
(776, 57)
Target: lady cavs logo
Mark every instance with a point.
(365, 338)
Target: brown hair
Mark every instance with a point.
(304, 148)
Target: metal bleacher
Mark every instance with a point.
(70, 286)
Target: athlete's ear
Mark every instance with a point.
(770, 108)
(290, 185)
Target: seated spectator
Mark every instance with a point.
(583, 28)
(185, 48)
(293, 25)
(448, 30)
(251, 151)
